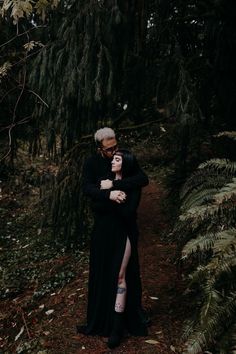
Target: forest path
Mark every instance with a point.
(162, 288)
(47, 325)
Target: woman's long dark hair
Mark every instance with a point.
(129, 162)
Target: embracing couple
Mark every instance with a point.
(113, 180)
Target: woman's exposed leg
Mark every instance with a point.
(121, 288)
(117, 331)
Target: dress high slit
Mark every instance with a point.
(113, 224)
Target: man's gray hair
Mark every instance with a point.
(104, 133)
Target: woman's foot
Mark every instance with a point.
(117, 331)
(114, 340)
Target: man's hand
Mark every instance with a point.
(117, 196)
(106, 184)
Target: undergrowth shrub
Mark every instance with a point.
(207, 236)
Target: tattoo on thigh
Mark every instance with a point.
(119, 307)
(121, 290)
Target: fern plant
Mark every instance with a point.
(206, 231)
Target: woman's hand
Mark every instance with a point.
(106, 184)
(117, 196)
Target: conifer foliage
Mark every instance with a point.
(68, 209)
(81, 71)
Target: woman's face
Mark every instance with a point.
(116, 163)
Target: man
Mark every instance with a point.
(98, 167)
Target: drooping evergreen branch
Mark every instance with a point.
(14, 115)
(68, 208)
(93, 45)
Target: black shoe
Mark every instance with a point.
(117, 331)
(114, 340)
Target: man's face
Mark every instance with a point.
(109, 146)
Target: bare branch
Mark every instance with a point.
(34, 93)
(9, 150)
(21, 34)
(30, 55)
(15, 108)
(19, 97)
(22, 121)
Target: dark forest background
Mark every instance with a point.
(163, 75)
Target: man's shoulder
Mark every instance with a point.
(94, 160)
(91, 157)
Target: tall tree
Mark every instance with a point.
(82, 73)
(19, 42)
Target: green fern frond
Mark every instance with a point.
(211, 301)
(219, 164)
(213, 270)
(198, 197)
(188, 329)
(223, 204)
(199, 276)
(213, 326)
(225, 243)
(226, 192)
(182, 230)
(217, 265)
(208, 222)
(202, 179)
(214, 180)
(200, 212)
(205, 220)
(220, 242)
(199, 244)
(195, 344)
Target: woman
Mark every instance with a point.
(114, 281)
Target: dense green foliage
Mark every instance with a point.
(83, 70)
(70, 213)
(160, 57)
(68, 67)
(206, 229)
(101, 62)
(22, 34)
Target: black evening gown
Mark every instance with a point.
(113, 223)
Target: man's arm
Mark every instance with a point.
(92, 190)
(89, 183)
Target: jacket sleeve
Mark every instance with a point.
(138, 180)
(89, 183)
